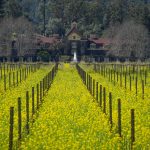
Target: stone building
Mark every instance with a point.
(91, 46)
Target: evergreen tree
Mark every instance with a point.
(115, 11)
(2, 2)
(90, 14)
(13, 8)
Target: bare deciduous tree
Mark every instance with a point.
(19, 30)
(129, 39)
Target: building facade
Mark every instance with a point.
(91, 46)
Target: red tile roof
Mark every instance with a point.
(100, 41)
(47, 40)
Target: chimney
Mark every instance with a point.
(74, 25)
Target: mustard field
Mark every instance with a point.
(129, 100)
(78, 106)
(70, 118)
(10, 98)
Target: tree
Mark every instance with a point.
(131, 39)
(13, 8)
(30, 9)
(21, 32)
(2, 2)
(136, 10)
(55, 26)
(147, 15)
(116, 11)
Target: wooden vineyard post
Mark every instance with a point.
(35, 67)
(46, 83)
(125, 80)
(20, 76)
(27, 112)
(4, 69)
(110, 108)
(29, 68)
(11, 128)
(87, 82)
(119, 117)
(4, 82)
(120, 79)
(117, 76)
(14, 79)
(33, 111)
(37, 96)
(129, 70)
(114, 77)
(43, 87)
(104, 100)
(109, 74)
(25, 72)
(50, 79)
(40, 91)
(19, 119)
(7, 67)
(84, 75)
(97, 91)
(1, 72)
(145, 77)
(95, 67)
(143, 89)
(17, 78)
(9, 79)
(104, 72)
(52, 74)
(130, 83)
(101, 95)
(101, 69)
(93, 87)
(136, 86)
(132, 127)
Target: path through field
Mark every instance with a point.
(70, 118)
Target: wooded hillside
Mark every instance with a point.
(93, 16)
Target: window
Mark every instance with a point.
(74, 37)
